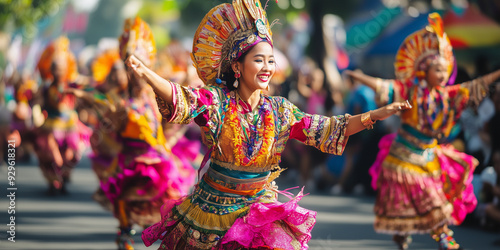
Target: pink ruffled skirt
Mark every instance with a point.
(420, 192)
(145, 180)
(69, 135)
(264, 224)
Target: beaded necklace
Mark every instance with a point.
(240, 132)
(434, 106)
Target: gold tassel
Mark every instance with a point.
(275, 174)
(207, 220)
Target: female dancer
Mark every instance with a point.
(234, 204)
(146, 176)
(423, 186)
(59, 140)
(111, 80)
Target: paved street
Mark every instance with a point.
(75, 221)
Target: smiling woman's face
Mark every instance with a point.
(437, 75)
(257, 67)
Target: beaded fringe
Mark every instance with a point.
(208, 222)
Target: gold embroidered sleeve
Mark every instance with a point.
(188, 103)
(328, 133)
(164, 108)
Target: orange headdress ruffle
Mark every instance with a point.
(430, 41)
(59, 47)
(137, 39)
(226, 32)
(26, 90)
(103, 64)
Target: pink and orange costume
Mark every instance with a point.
(146, 175)
(61, 121)
(234, 204)
(423, 184)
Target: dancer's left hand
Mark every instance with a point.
(388, 110)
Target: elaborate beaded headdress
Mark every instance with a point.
(59, 47)
(103, 64)
(412, 58)
(137, 39)
(225, 33)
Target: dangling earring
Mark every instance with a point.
(423, 83)
(237, 76)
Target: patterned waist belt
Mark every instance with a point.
(416, 140)
(229, 184)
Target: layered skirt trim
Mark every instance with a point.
(417, 199)
(145, 180)
(261, 225)
(457, 173)
(68, 134)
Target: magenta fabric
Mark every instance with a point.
(155, 178)
(297, 130)
(457, 182)
(157, 231)
(384, 146)
(262, 227)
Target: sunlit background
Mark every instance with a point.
(367, 30)
(335, 34)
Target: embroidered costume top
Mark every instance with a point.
(248, 140)
(59, 106)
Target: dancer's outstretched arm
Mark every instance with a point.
(162, 87)
(478, 88)
(355, 122)
(367, 80)
(491, 77)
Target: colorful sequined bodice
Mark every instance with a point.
(143, 124)
(435, 111)
(251, 140)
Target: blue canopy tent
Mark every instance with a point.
(372, 19)
(378, 57)
(391, 38)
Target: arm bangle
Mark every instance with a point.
(367, 121)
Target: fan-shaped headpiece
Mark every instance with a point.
(103, 64)
(225, 33)
(412, 58)
(59, 47)
(137, 39)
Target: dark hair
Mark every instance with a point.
(228, 76)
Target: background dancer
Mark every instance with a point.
(62, 137)
(424, 185)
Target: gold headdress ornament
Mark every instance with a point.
(225, 33)
(137, 39)
(430, 41)
(59, 47)
(103, 64)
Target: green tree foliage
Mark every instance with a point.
(16, 14)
